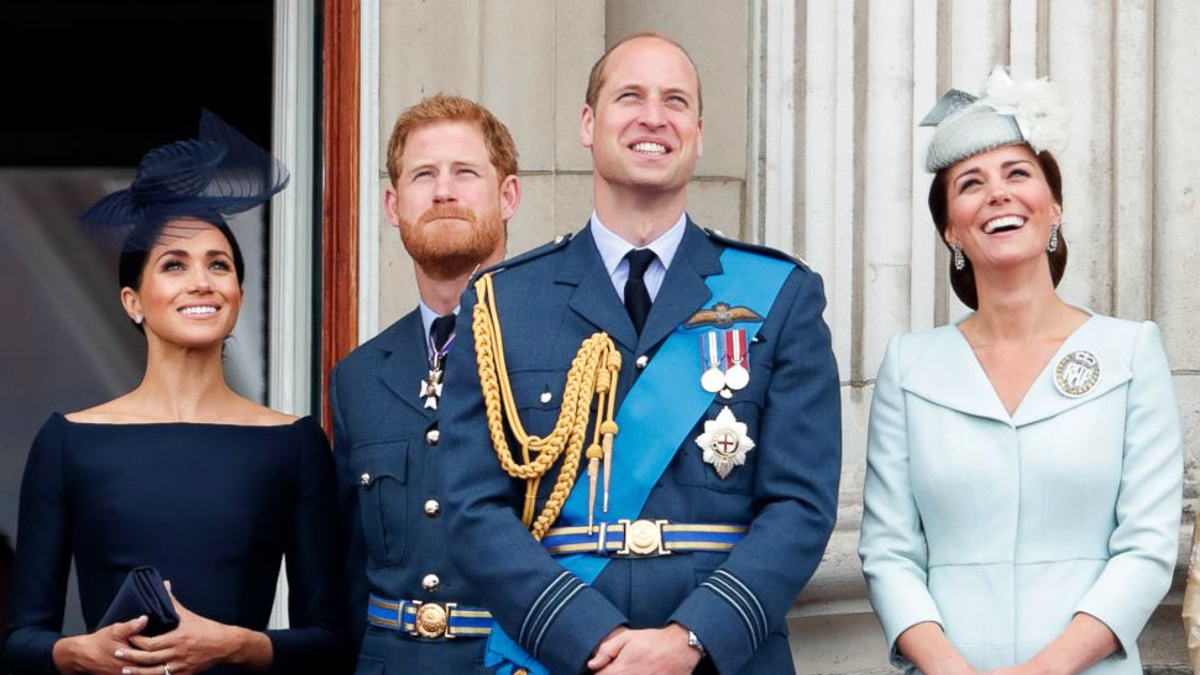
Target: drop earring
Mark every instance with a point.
(960, 261)
(1052, 245)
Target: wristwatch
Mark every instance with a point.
(694, 643)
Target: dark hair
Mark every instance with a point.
(133, 258)
(963, 281)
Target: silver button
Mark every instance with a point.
(430, 582)
(432, 436)
(366, 479)
(559, 239)
(546, 396)
(641, 362)
(432, 508)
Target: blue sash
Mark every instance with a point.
(655, 418)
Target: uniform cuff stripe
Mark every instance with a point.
(560, 591)
(537, 645)
(534, 609)
(748, 596)
(743, 606)
(745, 619)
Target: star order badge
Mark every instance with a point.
(724, 442)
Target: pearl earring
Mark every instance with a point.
(137, 318)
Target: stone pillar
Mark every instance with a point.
(811, 144)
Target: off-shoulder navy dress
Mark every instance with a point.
(215, 507)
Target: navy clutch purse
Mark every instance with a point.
(143, 592)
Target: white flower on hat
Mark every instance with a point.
(1036, 105)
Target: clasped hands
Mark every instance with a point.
(196, 645)
(655, 651)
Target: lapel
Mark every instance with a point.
(948, 374)
(1043, 400)
(594, 300)
(683, 291)
(405, 365)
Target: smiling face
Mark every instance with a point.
(189, 293)
(1000, 207)
(645, 131)
(448, 200)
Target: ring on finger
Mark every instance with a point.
(166, 669)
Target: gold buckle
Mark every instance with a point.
(433, 620)
(643, 537)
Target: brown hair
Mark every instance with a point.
(596, 79)
(963, 281)
(448, 108)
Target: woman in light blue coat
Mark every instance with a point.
(1024, 474)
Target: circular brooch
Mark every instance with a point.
(1077, 373)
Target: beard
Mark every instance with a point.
(449, 252)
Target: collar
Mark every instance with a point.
(428, 315)
(613, 247)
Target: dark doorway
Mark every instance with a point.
(90, 83)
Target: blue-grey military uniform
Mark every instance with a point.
(392, 509)
(548, 302)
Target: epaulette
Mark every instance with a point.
(532, 254)
(720, 237)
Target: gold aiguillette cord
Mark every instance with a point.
(593, 374)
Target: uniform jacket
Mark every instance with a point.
(384, 440)
(549, 301)
(1002, 528)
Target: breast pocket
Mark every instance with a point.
(382, 468)
(729, 438)
(538, 397)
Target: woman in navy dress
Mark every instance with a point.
(182, 472)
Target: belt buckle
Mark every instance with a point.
(433, 620)
(643, 537)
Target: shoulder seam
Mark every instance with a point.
(760, 249)
(532, 254)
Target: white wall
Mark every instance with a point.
(811, 144)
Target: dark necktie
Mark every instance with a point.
(440, 331)
(637, 296)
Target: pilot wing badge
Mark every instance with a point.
(723, 315)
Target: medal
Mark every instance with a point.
(725, 442)
(738, 374)
(1077, 373)
(431, 388)
(713, 379)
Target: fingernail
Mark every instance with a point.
(127, 671)
(119, 654)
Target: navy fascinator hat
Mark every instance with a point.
(218, 174)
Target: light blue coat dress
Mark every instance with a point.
(1001, 528)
